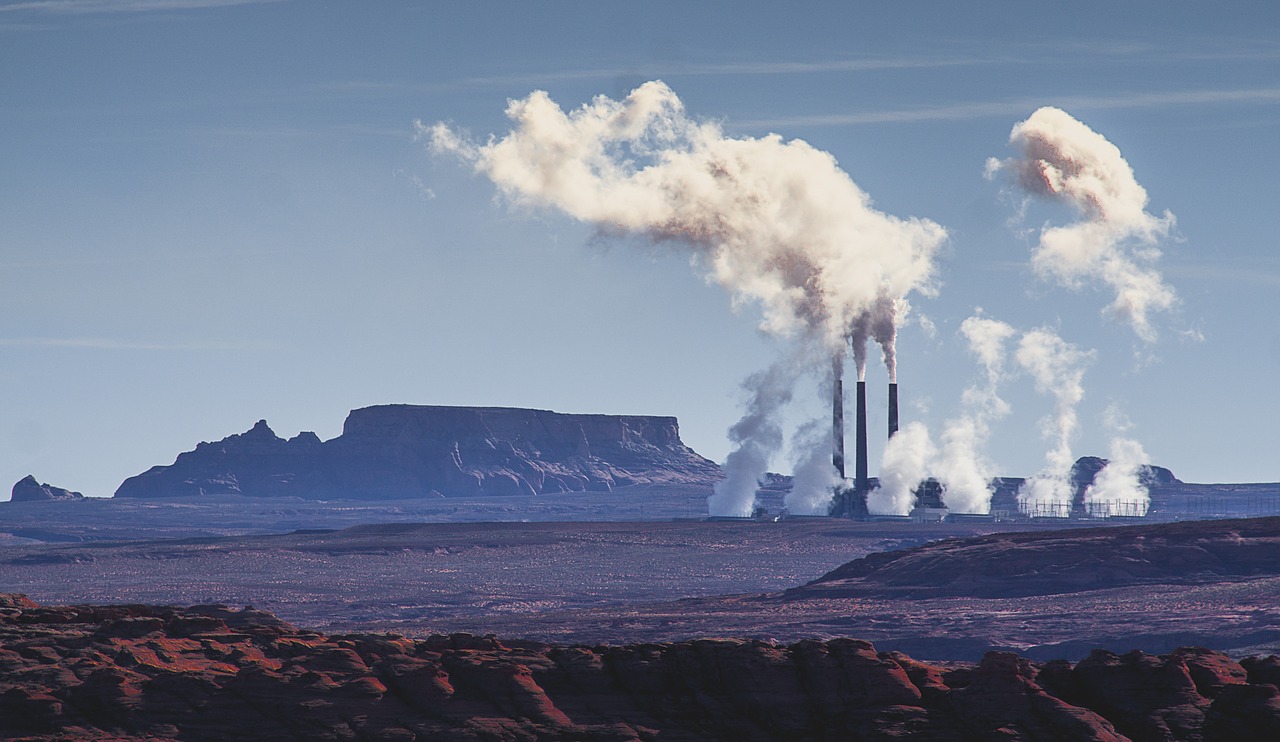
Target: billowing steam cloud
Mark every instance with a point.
(906, 459)
(813, 478)
(1118, 489)
(777, 223)
(756, 438)
(1114, 241)
(959, 462)
(1057, 367)
(962, 463)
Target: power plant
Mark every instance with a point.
(893, 408)
(845, 270)
(837, 417)
(850, 501)
(850, 497)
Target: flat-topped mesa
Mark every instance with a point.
(553, 429)
(399, 451)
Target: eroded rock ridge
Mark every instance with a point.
(213, 673)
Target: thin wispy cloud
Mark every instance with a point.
(733, 68)
(117, 344)
(84, 7)
(1070, 52)
(996, 109)
(1257, 275)
(756, 68)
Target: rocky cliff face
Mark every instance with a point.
(212, 673)
(28, 489)
(398, 451)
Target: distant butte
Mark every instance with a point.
(407, 451)
(28, 489)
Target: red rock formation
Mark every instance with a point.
(212, 673)
(1001, 699)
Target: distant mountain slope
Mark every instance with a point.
(400, 451)
(1060, 561)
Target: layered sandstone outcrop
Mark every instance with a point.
(399, 451)
(213, 673)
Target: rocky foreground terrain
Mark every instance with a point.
(934, 591)
(214, 673)
(1047, 594)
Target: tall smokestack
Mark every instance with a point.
(837, 416)
(860, 491)
(893, 408)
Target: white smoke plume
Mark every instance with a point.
(1118, 488)
(904, 466)
(1057, 367)
(1114, 241)
(1048, 494)
(813, 476)
(756, 438)
(962, 464)
(879, 323)
(774, 222)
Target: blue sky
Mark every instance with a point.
(214, 212)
